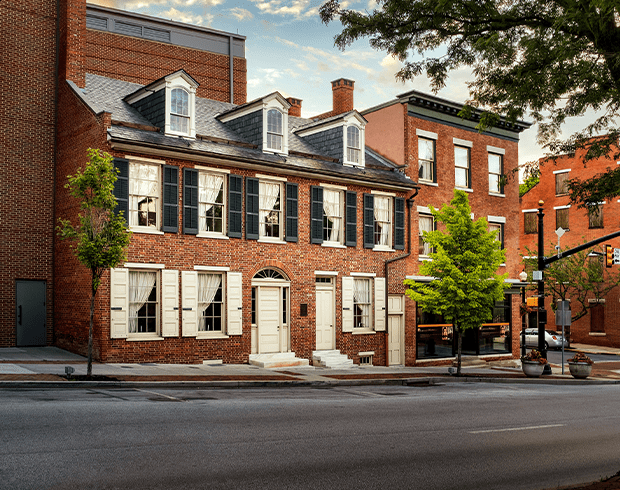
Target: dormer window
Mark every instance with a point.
(274, 130)
(353, 145)
(179, 111)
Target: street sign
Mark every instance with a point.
(537, 276)
(616, 256)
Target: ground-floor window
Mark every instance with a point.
(436, 339)
(143, 302)
(361, 304)
(210, 302)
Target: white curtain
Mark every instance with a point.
(208, 284)
(268, 195)
(210, 186)
(382, 216)
(143, 183)
(361, 295)
(426, 224)
(331, 205)
(140, 286)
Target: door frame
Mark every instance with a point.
(285, 331)
(400, 312)
(39, 335)
(331, 286)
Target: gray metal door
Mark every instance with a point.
(30, 313)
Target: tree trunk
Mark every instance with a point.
(89, 368)
(458, 350)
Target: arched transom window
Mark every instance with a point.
(271, 274)
(179, 110)
(353, 144)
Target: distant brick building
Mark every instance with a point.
(601, 326)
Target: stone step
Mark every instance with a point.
(331, 359)
(277, 360)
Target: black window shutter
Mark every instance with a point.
(369, 221)
(251, 208)
(190, 201)
(292, 212)
(235, 205)
(316, 214)
(171, 199)
(351, 219)
(501, 176)
(399, 223)
(121, 187)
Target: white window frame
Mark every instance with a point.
(180, 82)
(467, 169)
(354, 120)
(499, 175)
(432, 162)
(176, 115)
(261, 233)
(274, 103)
(376, 304)
(390, 223)
(341, 208)
(273, 134)
(354, 149)
(133, 164)
(222, 287)
(202, 231)
(426, 215)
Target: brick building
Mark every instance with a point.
(442, 152)
(601, 325)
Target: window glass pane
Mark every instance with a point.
(210, 300)
(426, 159)
(495, 163)
(274, 129)
(383, 220)
(426, 223)
(143, 195)
(211, 202)
(143, 305)
(332, 215)
(179, 102)
(461, 157)
(361, 303)
(270, 211)
(460, 177)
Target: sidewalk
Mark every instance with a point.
(37, 366)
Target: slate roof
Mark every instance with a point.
(215, 139)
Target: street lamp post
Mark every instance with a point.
(542, 313)
(523, 278)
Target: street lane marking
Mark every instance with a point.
(533, 427)
(162, 395)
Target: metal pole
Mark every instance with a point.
(523, 323)
(542, 313)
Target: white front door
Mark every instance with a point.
(324, 319)
(269, 315)
(396, 333)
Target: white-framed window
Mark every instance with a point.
(426, 160)
(275, 135)
(210, 302)
(211, 203)
(362, 302)
(383, 221)
(270, 207)
(496, 165)
(426, 222)
(333, 216)
(499, 227)
(143, 302)
(462, 161)
(144, 195)
(179, 111)
(353, 145)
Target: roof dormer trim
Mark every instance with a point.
(162, 83)
(352, 117)
(255, 105)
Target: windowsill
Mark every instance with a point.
(496, 194)
(364, 332)
(428, 182)
(502, 265)
(146, 231)
(211, 335)
(382, 249)
(597, 334)
(145, 338)
(464, 189)
(267, 240)
(423, 258)
(217, 236)
(332, 245)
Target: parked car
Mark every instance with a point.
(553, 340)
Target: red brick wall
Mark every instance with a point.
(182, 252)
(27, 114)
(578, 233)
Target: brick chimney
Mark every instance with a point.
(342, 90)
(295, 109)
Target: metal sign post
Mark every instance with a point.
(563, 318)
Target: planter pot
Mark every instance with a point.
(580, 370)
(532, 369)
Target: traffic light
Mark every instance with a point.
(609, 255)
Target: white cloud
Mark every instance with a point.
(187, 17)
(298, 9)
(241, 14)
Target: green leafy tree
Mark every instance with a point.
(549, 60)
(465, 258)
(100, 239)
(579, 278)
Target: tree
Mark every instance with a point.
(465, 258)
(578, 278)
(100, 240)
(547, 60)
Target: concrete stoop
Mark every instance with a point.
(277, 360)
(331, 359)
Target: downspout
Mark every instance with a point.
(386, 271)
(230, 63)
(54, 163)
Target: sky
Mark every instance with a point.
(289, 50)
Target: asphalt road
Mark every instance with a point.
(454, 436)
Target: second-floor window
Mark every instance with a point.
(333, 212)
(561, 183)
(383, 221)
(353, 144)
(561, 218)
(144, 193)
(462, 173)
(211, 203)
(426, 160)
(274, 130)
(495, 173)
(530, 222)
(426, 223)
(595, 216)
(270, 210)
(499, 228)
(179, 111)
(362, 303)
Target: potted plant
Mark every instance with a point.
(580, 365)
(533, 364)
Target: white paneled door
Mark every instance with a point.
(324, 319)
(269, 316)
